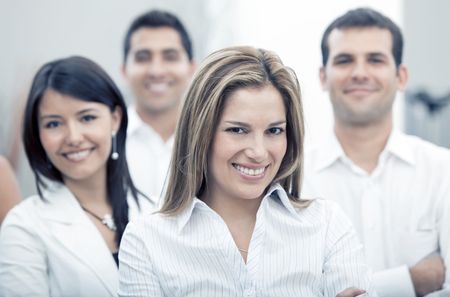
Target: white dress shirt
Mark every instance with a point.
(400, 211)
(292, 252)
(52, 248)
(148, 156)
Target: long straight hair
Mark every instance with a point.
(85, 80)
(222, 73)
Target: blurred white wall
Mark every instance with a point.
(294, 30)
(34, 32)
(427, 35)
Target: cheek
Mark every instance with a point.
(337, 78)
(103, 139)
(279, 150)
(223, 149)
(134, 74)
(183, 72)
(50, 141)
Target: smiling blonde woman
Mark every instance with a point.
(232, 222)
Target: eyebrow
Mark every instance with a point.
(171, 50)
(142, 50)
(342, 56)
(164, 51)
(237, 123)
(54, 116)
(349, 55)
(377, 54)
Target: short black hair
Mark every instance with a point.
(85, 80)
(362, 18)
(156, 19)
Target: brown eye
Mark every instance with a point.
(171, 56)
(236, 130)
(52, 124)
(142, 56)
(88, 118)
(275, 130)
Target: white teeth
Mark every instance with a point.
(78, 155)
(248, 171)
(158, 87)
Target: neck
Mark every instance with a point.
(364, 144)
(239, 216)
(91, 193)
(163, 122)
(234, 210)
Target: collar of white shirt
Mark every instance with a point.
(136, 124)
(275, 192)
(330, 150)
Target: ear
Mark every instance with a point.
(116, 118)
(323, 78)
(123, 70)
(402, 74)
(193, 68)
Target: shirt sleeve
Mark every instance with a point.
(394, 282)
(344, 264)
(136, 274)
(444, 238)
(23, 258)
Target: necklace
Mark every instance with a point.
(107, 219)
(242, 250)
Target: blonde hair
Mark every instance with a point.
(220, 74)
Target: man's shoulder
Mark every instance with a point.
(322, 153)
(426, 149)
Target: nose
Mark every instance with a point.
(360, 71)
(257, 149)
(156, 68)
(74, 135)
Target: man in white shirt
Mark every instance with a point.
(158, 66)
(394, 187)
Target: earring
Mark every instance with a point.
(115, 154)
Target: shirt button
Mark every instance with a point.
(249, 292)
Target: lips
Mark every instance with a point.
(157, 87)
(359, 89)
(79, 155)
(258, 171)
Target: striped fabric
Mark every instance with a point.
(293, 252)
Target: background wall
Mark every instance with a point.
(34, 32)
(427, 34)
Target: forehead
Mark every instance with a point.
(360, 41)
(155, 39)
(57, 103)
(254, 103)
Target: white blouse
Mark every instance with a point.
(293, 252)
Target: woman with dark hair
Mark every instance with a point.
(64, 241)
(232, 222)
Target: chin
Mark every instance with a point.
(252, 194)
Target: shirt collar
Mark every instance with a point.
(187, 213)
(399, 146)
(135, 124)
(134, 120)
(329, 151)
(275, 192)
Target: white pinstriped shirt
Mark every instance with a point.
(292, 252)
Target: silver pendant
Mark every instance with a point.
(109, 222)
